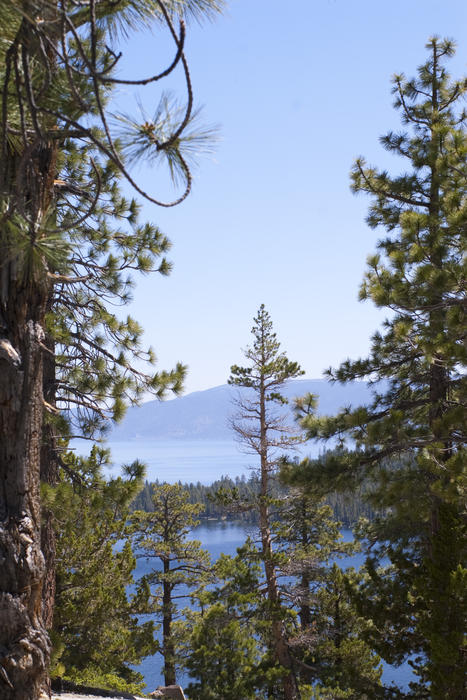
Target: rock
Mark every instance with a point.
(174, 692)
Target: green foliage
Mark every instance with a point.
(181, 563)
(95, 678)
(98, 349)
(341, 658)
(70, 243)
(138, 137)
(162, 534)
(263, 431)
(96, 632)
(84, 243)
(228, 637)
(417, 363)
(230, 499)
(222, 658)
(267, 364)
(328, 647)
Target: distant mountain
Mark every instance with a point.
(204, 415)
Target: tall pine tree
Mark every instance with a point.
(58, 66)
(264, 431)
(418, 363)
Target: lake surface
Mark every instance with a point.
(182, 460)
(224, 537)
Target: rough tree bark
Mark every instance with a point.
(49, 476)
(24, 644)
(27, 184)
(167, 635)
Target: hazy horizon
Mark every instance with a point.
(271, 219)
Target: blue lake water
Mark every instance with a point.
(182, 460)
(224, 537)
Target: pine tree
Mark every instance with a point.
(59, 154)
(263, 431)
(342, 660)
(225, 648)
(162, 536)
(418, 413)
(90, 373)
(326, 645)
(96, 634)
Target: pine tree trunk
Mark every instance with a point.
(27, 179)
(446, 661)
(167, 639)
(305, 611)
(49, 476)
(444, 627)
(24, 644)
(305, 579)
(281, 648)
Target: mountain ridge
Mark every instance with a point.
(203, 415)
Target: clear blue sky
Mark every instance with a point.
(298, 94)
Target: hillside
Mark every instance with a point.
(204, 415)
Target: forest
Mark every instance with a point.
(280, 620)
(347, 508)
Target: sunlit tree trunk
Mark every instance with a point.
(264, 432)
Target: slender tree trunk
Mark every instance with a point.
(304, 612)
(167, 639)
(337, 627)
(305, 579)
(281, 648)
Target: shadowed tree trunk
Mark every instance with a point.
(24, 644)
(27, 174)
(167, 634)
(49, 476)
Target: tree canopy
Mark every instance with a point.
(263, 431)
(179, 564)
(97, 632)
(417, 367)
(68, 239)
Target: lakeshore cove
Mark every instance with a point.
(204, 461)
(223, 537)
